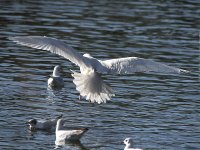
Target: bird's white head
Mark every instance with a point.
(87, 55)
(57, 71)
(128, 142)
(59, 124)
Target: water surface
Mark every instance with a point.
(158, 111)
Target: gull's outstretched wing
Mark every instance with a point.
(135, 64)
(53, 45)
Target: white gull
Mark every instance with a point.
(68, 134)
(89, 82)
(129, 144)
(56, 81)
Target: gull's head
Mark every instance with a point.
(60, 123)
(57, 71)
(32, 124)
(128, 141)
(87, 55)
(59, 117)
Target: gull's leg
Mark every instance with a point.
(80, 97)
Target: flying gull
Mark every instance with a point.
(89, 82)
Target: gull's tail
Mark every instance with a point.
(92, 87)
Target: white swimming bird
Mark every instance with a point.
(56, 81)
(89, 82)
(129, 144)
(68, 134)
(47, 125)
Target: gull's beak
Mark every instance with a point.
(62, 71)
(60, 116)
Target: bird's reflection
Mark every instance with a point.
(53, 94)
(70, 145)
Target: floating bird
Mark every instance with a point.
(129, 144)
(56, 81)
(68, 134)
(47, 125)
(89, 82)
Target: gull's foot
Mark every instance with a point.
(80, 97)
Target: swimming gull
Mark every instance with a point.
(68, 134)
(129, 144)
(89, 82)
(48, 125)
(56, 81)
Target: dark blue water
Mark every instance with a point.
(159, 111)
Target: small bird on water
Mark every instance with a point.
(89, 81)
(129, 144)
(47, 125)
(68, 134)
(56, 81)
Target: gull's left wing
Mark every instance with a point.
(135, 64)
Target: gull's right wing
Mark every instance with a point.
(54, 46)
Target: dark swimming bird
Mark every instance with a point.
(48, 125)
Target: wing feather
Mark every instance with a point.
(54, 46)
(135, 64)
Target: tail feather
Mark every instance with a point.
(92, 87)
